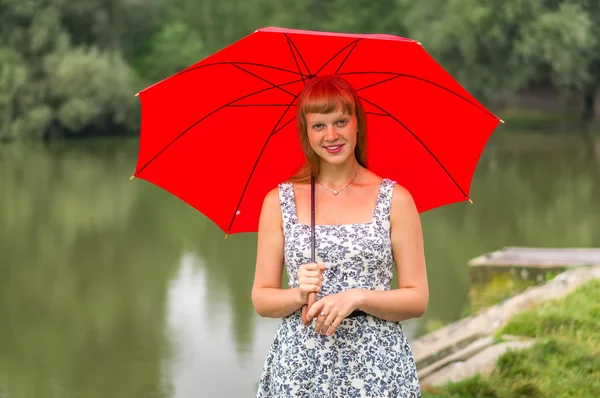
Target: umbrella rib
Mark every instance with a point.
(386, 113)
(376, 114)
(273, 131)
(291, 42)
(347, 55)
(263, 79)
(335, 55)
(283, 125)
(194, 68)
(210, 114)
(398, 75)
(376, 84)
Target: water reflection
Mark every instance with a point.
(111, 287)
(199, 324)
(82, 288)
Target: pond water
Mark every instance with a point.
(115, 288)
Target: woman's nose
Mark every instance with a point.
(331, 134)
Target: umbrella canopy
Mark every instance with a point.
(222, 133)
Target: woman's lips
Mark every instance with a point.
(334, 148)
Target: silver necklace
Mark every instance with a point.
(337, 191)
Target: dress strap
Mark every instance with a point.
(287, 203)
(384, 202)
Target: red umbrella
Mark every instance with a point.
(222, 133)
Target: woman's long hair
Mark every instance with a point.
(326, 94)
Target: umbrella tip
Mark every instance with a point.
(137, 94)
(131, 178)
(226, 235)
(470, 201)
(501, 121)
(419, 43)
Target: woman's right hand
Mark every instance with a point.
(310, 279)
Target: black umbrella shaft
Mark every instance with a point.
(312, 219)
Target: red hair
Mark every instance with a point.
(326, 94)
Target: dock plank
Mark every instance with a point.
(539, 257)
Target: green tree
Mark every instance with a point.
(365, 16)
(52, 86)
(173, 48)
(498, 47)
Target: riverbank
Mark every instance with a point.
(548, 330)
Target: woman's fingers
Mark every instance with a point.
(315, 310)
(326, 324)
(312, 267)
(313, 274)
(311, 281)
(310, 277)
(320, 320)
(334, 325)
(310, 288)
(325, 321)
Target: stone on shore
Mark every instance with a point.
(466, 346)
(480, 363)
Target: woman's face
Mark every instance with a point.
(332, 135)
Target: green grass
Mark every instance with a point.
(564, 361)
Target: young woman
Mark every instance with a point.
(364, 227)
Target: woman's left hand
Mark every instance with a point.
(332, 310)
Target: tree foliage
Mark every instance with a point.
(498, 47)
(71, 67)
(53, 86)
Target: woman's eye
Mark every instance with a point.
(342, 122)
(317, 126)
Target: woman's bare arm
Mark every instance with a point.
(411, 297)
(268, 297)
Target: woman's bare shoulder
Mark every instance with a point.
(270, 214)
(271, 198)
(402, 202)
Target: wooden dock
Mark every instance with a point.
(537, 257)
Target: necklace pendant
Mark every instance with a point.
(335, 192)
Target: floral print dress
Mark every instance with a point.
(366, 356)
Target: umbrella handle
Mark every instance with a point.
(312, 297)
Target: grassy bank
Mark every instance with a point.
(564, 361)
